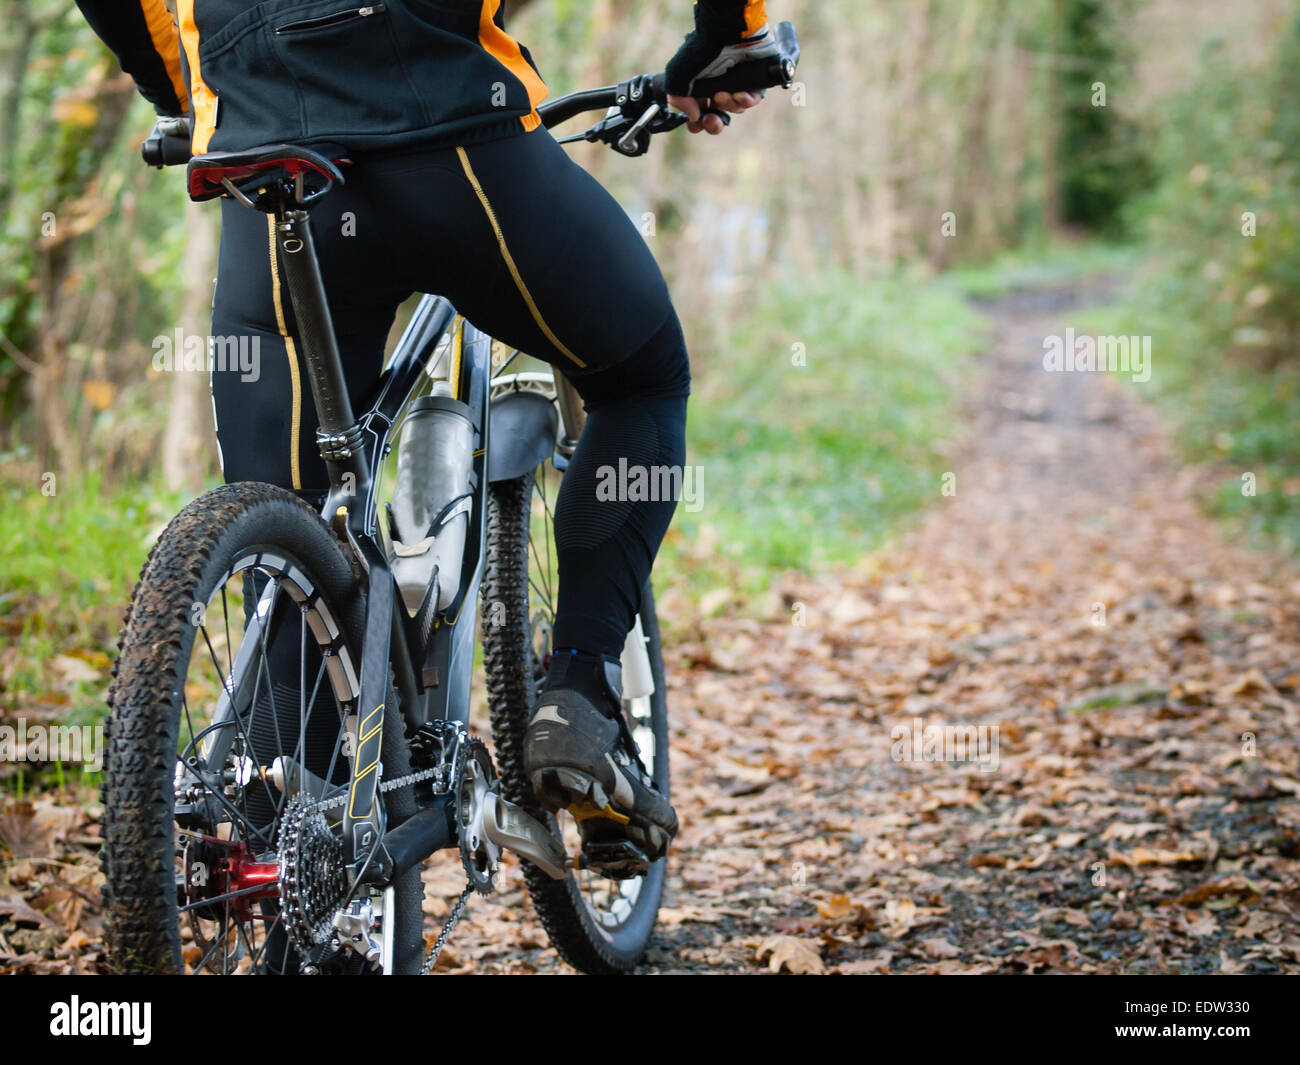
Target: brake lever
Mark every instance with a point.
(627, 143)
(631, 137)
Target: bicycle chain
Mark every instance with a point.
(431, 958)
(388, 785)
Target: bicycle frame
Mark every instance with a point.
(437, 686)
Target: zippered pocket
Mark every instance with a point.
(334, 18)
(346, 62)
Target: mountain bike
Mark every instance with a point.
(253, 825)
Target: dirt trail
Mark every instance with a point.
(1137, 811)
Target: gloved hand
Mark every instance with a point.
(718, 43)
(172, 125)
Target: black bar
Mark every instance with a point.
(575, 103)
(419, 836)
(315, 327)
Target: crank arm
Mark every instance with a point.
(510, 828)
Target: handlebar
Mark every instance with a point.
(641, 101)
(553, 112)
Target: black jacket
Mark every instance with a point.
(359, 74)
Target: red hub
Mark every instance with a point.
(241, 877)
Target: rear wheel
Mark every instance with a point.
(221, 733)
(597, 925)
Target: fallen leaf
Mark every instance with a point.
(938, 947)
(878, 965)
(18, 909)
(796, 955)
(836, 907)
(900, 915)
(1147, 856)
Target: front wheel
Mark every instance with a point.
(599, 926)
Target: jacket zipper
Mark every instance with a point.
(331, 19)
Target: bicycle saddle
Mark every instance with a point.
(207, 174)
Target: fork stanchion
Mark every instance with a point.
(572, 415)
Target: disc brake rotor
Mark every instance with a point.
(224, 949)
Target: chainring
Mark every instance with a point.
(476, 785)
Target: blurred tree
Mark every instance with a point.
(1102, 162)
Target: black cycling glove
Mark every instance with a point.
(726, 32)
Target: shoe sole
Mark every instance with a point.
(614, 844)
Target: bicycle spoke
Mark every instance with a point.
(225, 619)
(264, 667)
(500, 370)
(218, 898)
(203, 959)
(548, 534)
(242, 817)
(185, 706)
(266, 943)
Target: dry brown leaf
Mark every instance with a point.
(669, 915)
(1120, 830)
(836, 907)
(798, 956)
(900, 915)
(1139, 856)
(19, 910)
(877, 965)
(938, 947)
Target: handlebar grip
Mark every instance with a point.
(745, 77)
(159, 150)
(758, 74)
(168, 143)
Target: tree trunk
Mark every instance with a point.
(187, 440)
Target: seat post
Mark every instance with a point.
(338, 436)
(315, 326)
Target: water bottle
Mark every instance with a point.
(431, 501)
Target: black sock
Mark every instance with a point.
(596, 677)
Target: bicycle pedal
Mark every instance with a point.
(616, 859)
(586, 810)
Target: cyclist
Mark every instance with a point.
(456, 189)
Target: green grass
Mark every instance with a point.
(1236, 418)
(815, 464)
(68, 562)
(1043, 266)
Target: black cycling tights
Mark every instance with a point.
(533, 251)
